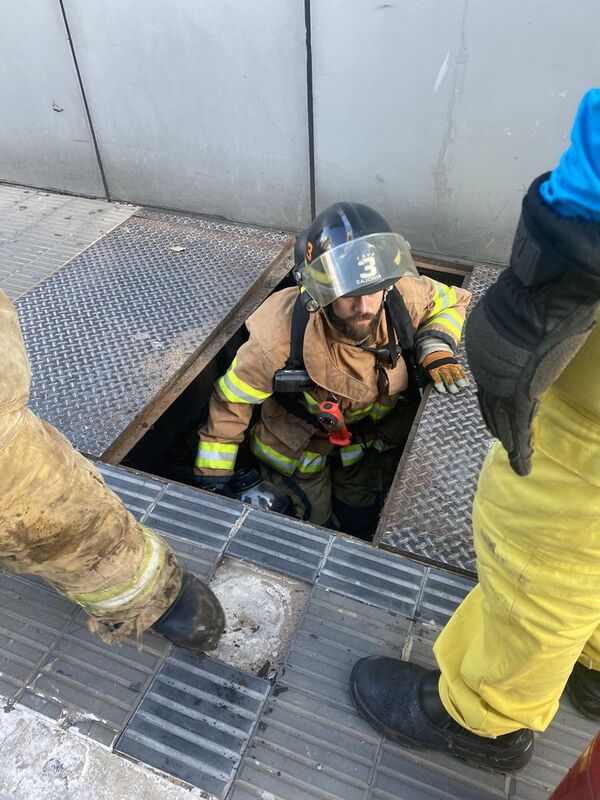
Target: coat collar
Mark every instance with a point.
(337, 363)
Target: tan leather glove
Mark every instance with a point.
(445, 372)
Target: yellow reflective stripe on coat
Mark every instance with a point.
(216, 455)
(381, 410)
(443, 297)
(118, 598)
(270, 456)
(238, 391)
(351, 454)
(380, 446)
(308, 462)
(359, 413)
(449, 319)
(311, 403)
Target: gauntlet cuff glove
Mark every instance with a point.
(533, 320)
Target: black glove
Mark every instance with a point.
(532, 321)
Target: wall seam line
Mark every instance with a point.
(310, 108)
(85, 102)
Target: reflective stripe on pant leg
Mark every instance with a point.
(120, 597)
(216, 455)
(351, 454)
(309, 462)
(75, 532)
(381, 410)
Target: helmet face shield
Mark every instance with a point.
(362, 266)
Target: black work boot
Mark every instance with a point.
(195, 620)
(401, 700)
(583, 688)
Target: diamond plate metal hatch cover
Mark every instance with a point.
(110, 330)
(428, 510)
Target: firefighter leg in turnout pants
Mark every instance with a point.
(58, 520)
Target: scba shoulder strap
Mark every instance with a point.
(299, 323)
(293, 377)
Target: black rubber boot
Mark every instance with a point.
(195, 620)
(401, 700)
(583, 688)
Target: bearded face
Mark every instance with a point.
(358, 317)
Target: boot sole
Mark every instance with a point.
(411, 745)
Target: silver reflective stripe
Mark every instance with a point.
(213, 455)
(360, 413)
(147, 576)
(272, 457)
(351, 454)
(141, 585)
(237, 392)
(311, 462)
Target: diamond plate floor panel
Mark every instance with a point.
(41, 231)
(428, 509)
(108, 332)
(195, 721)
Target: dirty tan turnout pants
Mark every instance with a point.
(60, 521)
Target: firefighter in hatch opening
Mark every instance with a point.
(350, 339)
(532, 624)
(60, 521)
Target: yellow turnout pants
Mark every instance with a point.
(509, 648)
(60, 521)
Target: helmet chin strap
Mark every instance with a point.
(387, 356)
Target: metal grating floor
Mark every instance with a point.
(232, 734)
(195, 721)
(109, 331)
(428, 510)
(40, 231)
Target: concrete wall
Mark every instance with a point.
(437, 113)
(45, 139)
(199, 105)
